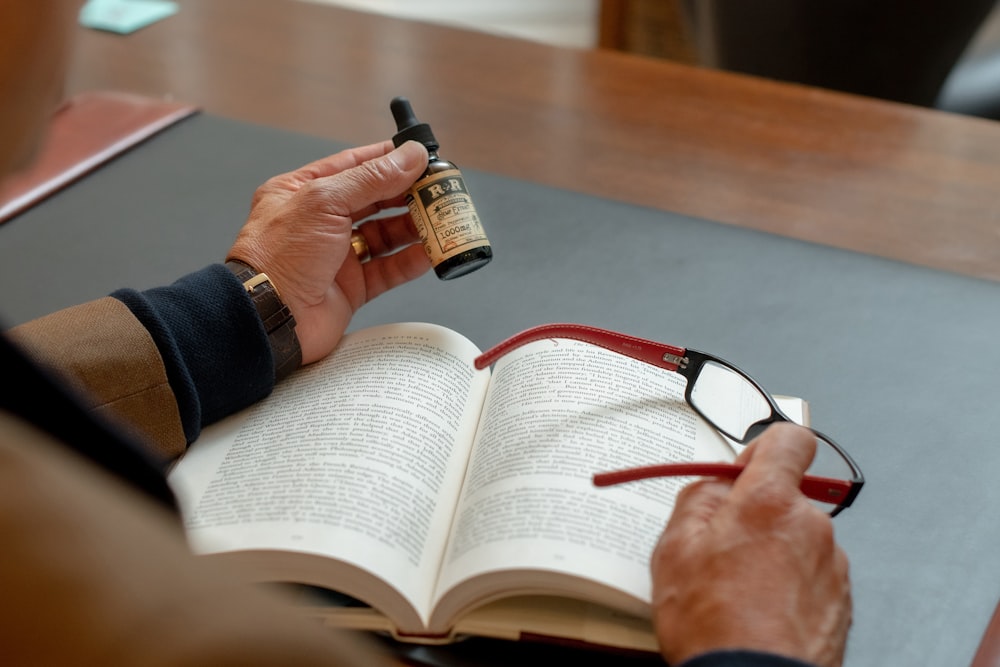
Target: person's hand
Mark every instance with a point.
(753, 564)
(299, 234)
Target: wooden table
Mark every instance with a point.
(902, 182)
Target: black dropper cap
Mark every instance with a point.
(408, 127)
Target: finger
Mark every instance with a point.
(378, 207)
(386, 235)
(777, 461)
(324, 167)
(377, 180)
(699, 499)
(744, 457)
(346, 159)
(694, 509)
(384, 273)
(696, 504)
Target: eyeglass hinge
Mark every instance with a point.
(676, 359)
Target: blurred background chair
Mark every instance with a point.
(933, 53)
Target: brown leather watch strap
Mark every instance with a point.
(275, 316)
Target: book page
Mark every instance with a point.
(359, 456)
(557, 412)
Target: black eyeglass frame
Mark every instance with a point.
(690, 366)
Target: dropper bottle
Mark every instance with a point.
(440, 204)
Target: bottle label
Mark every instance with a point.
(445, 216)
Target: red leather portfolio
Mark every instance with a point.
(87, 131)
(988, 654)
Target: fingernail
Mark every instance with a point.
(411, 155)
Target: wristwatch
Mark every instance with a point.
(275, 316)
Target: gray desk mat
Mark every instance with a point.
(898, 362)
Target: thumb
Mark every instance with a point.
(777, 460)
(376, 180)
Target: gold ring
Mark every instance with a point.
(360, 246)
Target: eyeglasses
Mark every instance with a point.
(732, 402)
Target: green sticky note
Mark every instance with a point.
(125, 16)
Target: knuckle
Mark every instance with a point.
(260, 194)
(768, 499)
(357, 186)
(821, 527)
(317, 196)
(377, 170)
(689, 491)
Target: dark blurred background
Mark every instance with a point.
(933, 53)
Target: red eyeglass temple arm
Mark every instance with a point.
(657, 354)
(823, 489)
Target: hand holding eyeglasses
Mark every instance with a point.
(752, 564)
(747, 561)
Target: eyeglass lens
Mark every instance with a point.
(728, 400)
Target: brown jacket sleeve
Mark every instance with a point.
(93, 573)
(104, 352)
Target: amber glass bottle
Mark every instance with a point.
(440, 204)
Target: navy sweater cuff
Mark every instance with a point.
(216, 352)
(742, 659)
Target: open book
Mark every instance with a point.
(451, 501)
